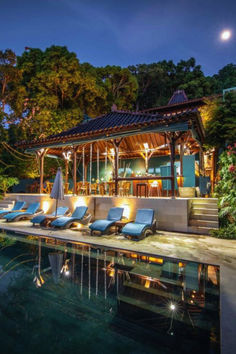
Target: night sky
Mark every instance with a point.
(124, 32)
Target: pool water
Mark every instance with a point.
(60, 297)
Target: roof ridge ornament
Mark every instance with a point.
(114, 108)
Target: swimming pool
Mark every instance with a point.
(59, 297)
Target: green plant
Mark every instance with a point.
(226, 193)
(7, 182)
(225, 232)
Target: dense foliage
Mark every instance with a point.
(6, 182)
(226, 193)
(221, 125)
(45, 91)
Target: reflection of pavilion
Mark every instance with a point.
(147, 286)
(130, 148)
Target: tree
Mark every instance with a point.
(226, 78)
(221, 127)
(6, 182)
(58, 91)
(158, 81)
(121, 86)
(10, 76)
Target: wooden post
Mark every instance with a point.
(181, 154)
(41, 174)
(66, 175)
(66, 156)
(40, 155)
(116, 144)
(172, 164)
(201, 161)
(74, 170)
(116, 169)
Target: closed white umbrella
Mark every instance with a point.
(58, 188)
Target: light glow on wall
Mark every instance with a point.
(80, 202)
(126, 212)
(45, 206)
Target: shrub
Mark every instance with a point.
(226, 193)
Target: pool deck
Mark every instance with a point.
(199, 248)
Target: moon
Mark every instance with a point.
(225, 35)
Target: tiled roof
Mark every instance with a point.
(115, 122)
(110, 120)
(178, 97)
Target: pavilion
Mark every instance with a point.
(120, 136)
(156, 152)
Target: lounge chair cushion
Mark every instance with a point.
(144, 216)
(101, 225)
(134, 229)
(144, 219)
(32, 209)
(40, 218)
(79, 212)
(115, 214)
(77, 215)
(17, 206)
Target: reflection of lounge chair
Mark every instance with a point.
(144, 224)
(18, 206)
(39, 219)
(115, 214)
(27, 214)
(78, 217)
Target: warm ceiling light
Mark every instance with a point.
(113, 151)
(146, 147)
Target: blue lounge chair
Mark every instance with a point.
(18, 206)
(39, 219)
(79, 217)
(26, 215)
(115, 214)
(144, 224)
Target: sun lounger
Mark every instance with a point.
(115, 214)
(26, 215)
(40, 219)
(144, 224)
(18, 206)
(78, 217)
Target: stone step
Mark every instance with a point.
(3, 202)
(197, 210)
(200, 230)
(209, 217)
(204, 201)
(204, 223)
(6, 205)
(204, 206)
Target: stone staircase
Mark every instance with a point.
(6, 203)
(203, 216)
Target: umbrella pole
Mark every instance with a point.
(56, 206)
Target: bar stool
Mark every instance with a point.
(139, 187)
(154, 186)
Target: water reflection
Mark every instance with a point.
(173, 303)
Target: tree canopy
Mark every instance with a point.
(43, 92)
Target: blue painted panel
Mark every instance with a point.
(166, 172)
(189, 170)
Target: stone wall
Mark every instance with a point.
(172, 214)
